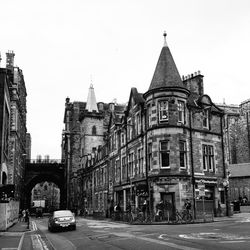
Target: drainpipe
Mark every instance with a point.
(192, 160)
(146, 161)
(248, 135)
(224, 168)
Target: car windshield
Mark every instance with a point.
(62, 213)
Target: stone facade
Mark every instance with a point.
(14, 110)
(163, 145)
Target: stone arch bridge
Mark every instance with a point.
(37, 171)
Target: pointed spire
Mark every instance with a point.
(91, 101)
(166, 73)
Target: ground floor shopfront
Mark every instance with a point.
(207, 197)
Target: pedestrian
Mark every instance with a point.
(23, 213)
(27, 217)
(187, 205)
(144, 208)
(117, 210)
(160, 209)
(20, 215)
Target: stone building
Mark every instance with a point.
(237, 148)
(166, 144)
(15, 119)
(86, 125)
(5, 112)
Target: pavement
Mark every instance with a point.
(13, 238)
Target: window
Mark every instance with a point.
(129, 129)
(94, 130)
(183, 154)
(208, 157)
(181, 111)
(117, 171)
(131, 164)
(101, 177)
(115, 140)
(140, 160)
(122, 139)
(163, 111)
(124, 168)
(138, 124)
(149, 116)
(150, 157)
(164, 151)
(205, 118)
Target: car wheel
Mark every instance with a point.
(74, 227)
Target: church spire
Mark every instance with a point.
(166, 73)
(91, 101)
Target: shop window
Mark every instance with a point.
(164, 152)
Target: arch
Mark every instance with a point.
(4, 178)
(40, 172)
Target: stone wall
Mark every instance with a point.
(8, 214)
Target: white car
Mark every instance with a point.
(62, 219)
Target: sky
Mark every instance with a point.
(64, 45)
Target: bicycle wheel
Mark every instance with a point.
(189, 217)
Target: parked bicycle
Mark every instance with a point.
(183, 217)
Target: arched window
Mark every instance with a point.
(94, 130)
(4, 178)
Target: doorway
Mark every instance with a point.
(169, 205)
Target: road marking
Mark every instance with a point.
(36, 244)
(166, 243)
(8, 248)
(20, 243)
(162, 237)
(235, 241)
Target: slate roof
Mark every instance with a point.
(239, 170)
(166, 73)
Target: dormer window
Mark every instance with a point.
(163, 111)
(206, 118)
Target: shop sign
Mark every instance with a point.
(166, 181)
(141, 190)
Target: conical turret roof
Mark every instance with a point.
(91, 100)
(166, 73)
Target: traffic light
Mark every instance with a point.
(7, 191)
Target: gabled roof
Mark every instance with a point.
(166, 73)
(135, 97)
